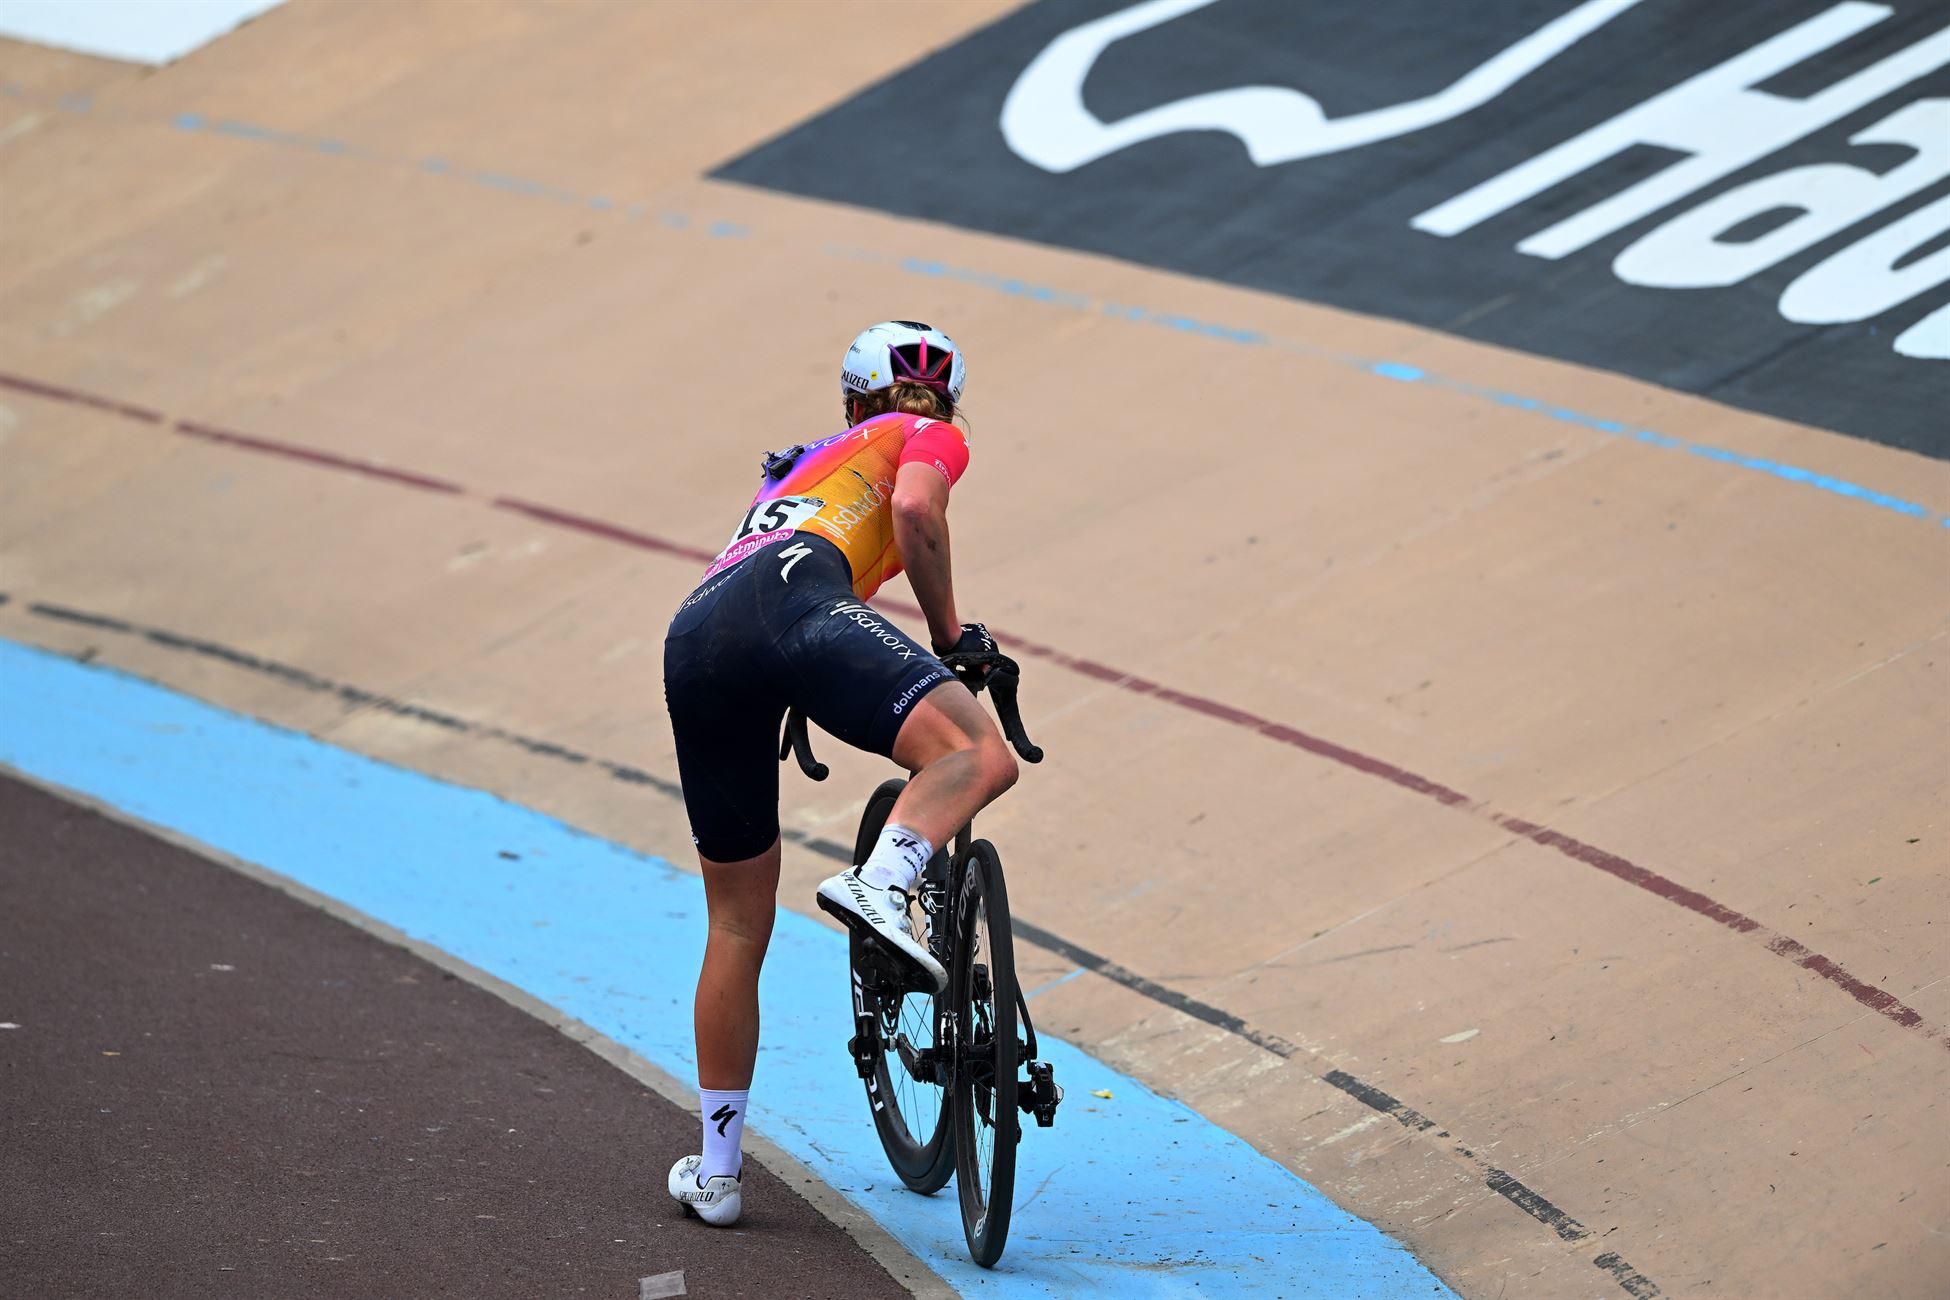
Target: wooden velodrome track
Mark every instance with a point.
(1534, 838)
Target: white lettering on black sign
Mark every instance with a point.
(1742, 201)
(1717, 120)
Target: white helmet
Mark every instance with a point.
(903, 350)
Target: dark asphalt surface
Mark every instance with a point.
(216, 1090)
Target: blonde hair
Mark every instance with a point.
(904, 396)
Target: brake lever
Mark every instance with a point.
(1001, 679)
(795, 741)
(1002, 683)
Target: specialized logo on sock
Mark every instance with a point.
(723, 1115)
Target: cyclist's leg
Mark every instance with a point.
(742, 900)
(959, 761)
(857, 674)
(724, 719)
(731, 791)
(864, 680)
(867, 682)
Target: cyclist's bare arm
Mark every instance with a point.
(921, 531)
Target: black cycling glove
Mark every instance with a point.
(974, 640)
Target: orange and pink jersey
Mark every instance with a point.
(841, 488)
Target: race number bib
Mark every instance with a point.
(781, 515)
(765, 523)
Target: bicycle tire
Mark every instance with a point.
(982, 985)
(909, 1115)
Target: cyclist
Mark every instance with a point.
(780, 619)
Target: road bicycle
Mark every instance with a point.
(941, 1072)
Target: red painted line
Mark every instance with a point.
(1867, 994)
(210, 433)
(1878, 1000)
(79, 398)
(597, 528)
(293, 452)
(1652, 882)
(1611, 864)
(1275, 731)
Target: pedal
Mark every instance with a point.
(888, 972)
(1039, 1094)
(861, 1048)
(876, 967)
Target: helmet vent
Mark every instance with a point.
(921, 364)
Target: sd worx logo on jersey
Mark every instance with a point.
(1750, 201)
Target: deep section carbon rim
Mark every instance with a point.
(987, 1123)
(910, 1113)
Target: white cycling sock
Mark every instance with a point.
(724, 1128)
(896, 861)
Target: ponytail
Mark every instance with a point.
(907, 397)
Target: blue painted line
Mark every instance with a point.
(1412, 374)
(1008, 285)
(251, 131)
(512, 184)
(1016, 288)
(1132, 1196)
(1056, 983)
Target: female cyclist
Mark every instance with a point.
(780, 619)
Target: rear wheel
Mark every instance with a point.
(905, 1089)
(982, 989)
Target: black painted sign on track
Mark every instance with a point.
(1746, 201)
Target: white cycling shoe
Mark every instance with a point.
(717, 1200)
(884, 912)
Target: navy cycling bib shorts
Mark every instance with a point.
(780, 628)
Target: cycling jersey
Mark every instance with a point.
(770, 627)
(840, 488)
